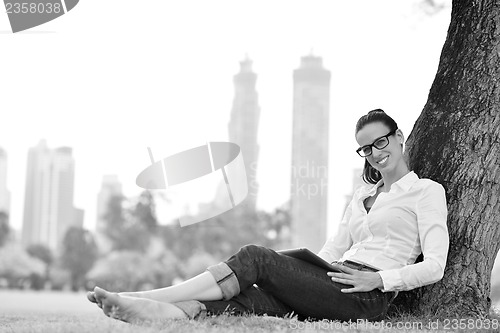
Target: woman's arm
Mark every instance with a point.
(431, 214)
(359, 280)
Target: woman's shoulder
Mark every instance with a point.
(427, 183)
(431, 194)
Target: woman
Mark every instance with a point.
(386, 226)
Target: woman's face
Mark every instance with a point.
(387, 158)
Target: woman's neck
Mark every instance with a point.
(392, 177)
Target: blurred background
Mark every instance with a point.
(83, 96)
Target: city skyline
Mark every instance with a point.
(109, 110)
(243, 127)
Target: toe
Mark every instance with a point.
(91, 297)
(100, 294)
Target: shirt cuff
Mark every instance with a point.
(391, 279)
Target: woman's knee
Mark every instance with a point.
(254, 251)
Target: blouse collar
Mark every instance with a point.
(404, 183)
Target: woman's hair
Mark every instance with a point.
(370, 174)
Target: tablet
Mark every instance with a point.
(306, 255)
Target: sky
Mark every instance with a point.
(111, 78)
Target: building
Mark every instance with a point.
(357, 182)
(110, 186)
(49, 191)
(4, 192)
(244, 124)
(309, 183)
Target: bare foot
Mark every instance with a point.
(133, 309)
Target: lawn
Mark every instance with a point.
(71, 312)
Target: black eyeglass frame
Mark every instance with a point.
(373, 144)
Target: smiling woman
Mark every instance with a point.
(370, 131)
(388, 224)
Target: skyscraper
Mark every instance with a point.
(4, 192)
(244, 125)
(110, 187)
(48, 205)
(309, 188)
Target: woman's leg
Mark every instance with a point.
(252, 300)
(300, 286)
(153, 305)
(305, 288)
(202, 287)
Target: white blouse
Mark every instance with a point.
(408, 220)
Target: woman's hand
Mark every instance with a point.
(360, 280)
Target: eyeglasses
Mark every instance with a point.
(379, 143)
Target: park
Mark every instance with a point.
(455, 141)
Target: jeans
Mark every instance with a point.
(261, 281)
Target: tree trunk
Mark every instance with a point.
(456, 142)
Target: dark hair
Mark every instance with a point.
(370, 174)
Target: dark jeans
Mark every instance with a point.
(262, 281)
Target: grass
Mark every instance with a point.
(70, 312)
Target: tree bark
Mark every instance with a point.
(456, 142)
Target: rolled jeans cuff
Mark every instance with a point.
(226, 279)
(193, 309)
